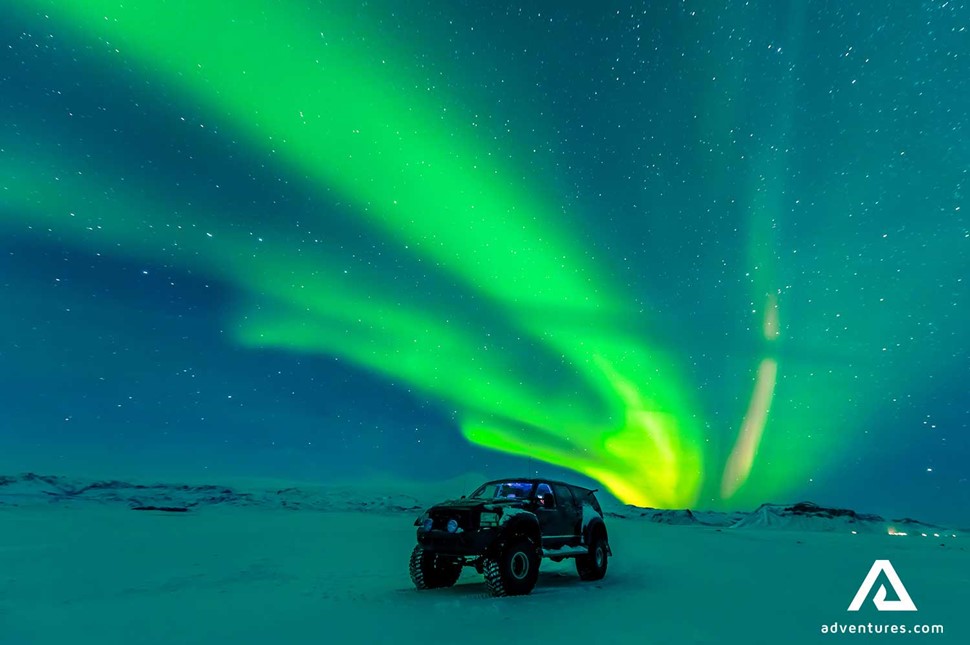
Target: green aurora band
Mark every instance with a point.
(328, 104)
(321, 106)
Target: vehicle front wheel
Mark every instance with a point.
(514, 570)
(432, 571)
(593, 566)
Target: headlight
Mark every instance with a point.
(452, 525)
(427, 524)
(421, 520)
(488, 519)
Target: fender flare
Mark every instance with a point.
(595, 526)
(522, 524)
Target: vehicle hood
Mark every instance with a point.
(470, 504)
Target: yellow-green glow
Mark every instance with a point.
(749, 438)
(745, 449)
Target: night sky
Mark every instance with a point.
(707, 254)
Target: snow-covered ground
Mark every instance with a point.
(85, 568)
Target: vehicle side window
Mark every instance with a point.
(545, 497)
(565, 496)
(584, 497)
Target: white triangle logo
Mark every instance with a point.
(905, 603)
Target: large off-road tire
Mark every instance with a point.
(593, 566)
(514, 569)
(432, 571)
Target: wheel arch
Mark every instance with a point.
(596, 528)
(521, 525)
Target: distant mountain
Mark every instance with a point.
(803, 516)
(680, 517)
(30, 489)
(806, 516)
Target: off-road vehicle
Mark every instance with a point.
(504, 529)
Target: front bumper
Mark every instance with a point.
(466, 543)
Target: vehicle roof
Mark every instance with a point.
(539, 480)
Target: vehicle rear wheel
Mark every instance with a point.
(430, 570)
(514, 570)
(593, 566)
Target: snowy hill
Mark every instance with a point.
(30, 489)
(806, 516)
(679, 517)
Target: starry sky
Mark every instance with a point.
(705, 254)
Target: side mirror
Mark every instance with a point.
(462, 497)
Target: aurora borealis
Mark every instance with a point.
(704, 255)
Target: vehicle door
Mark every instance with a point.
(551, 523)
(572, 514)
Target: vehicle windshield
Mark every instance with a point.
(504, 490)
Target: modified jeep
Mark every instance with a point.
(504, 529)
